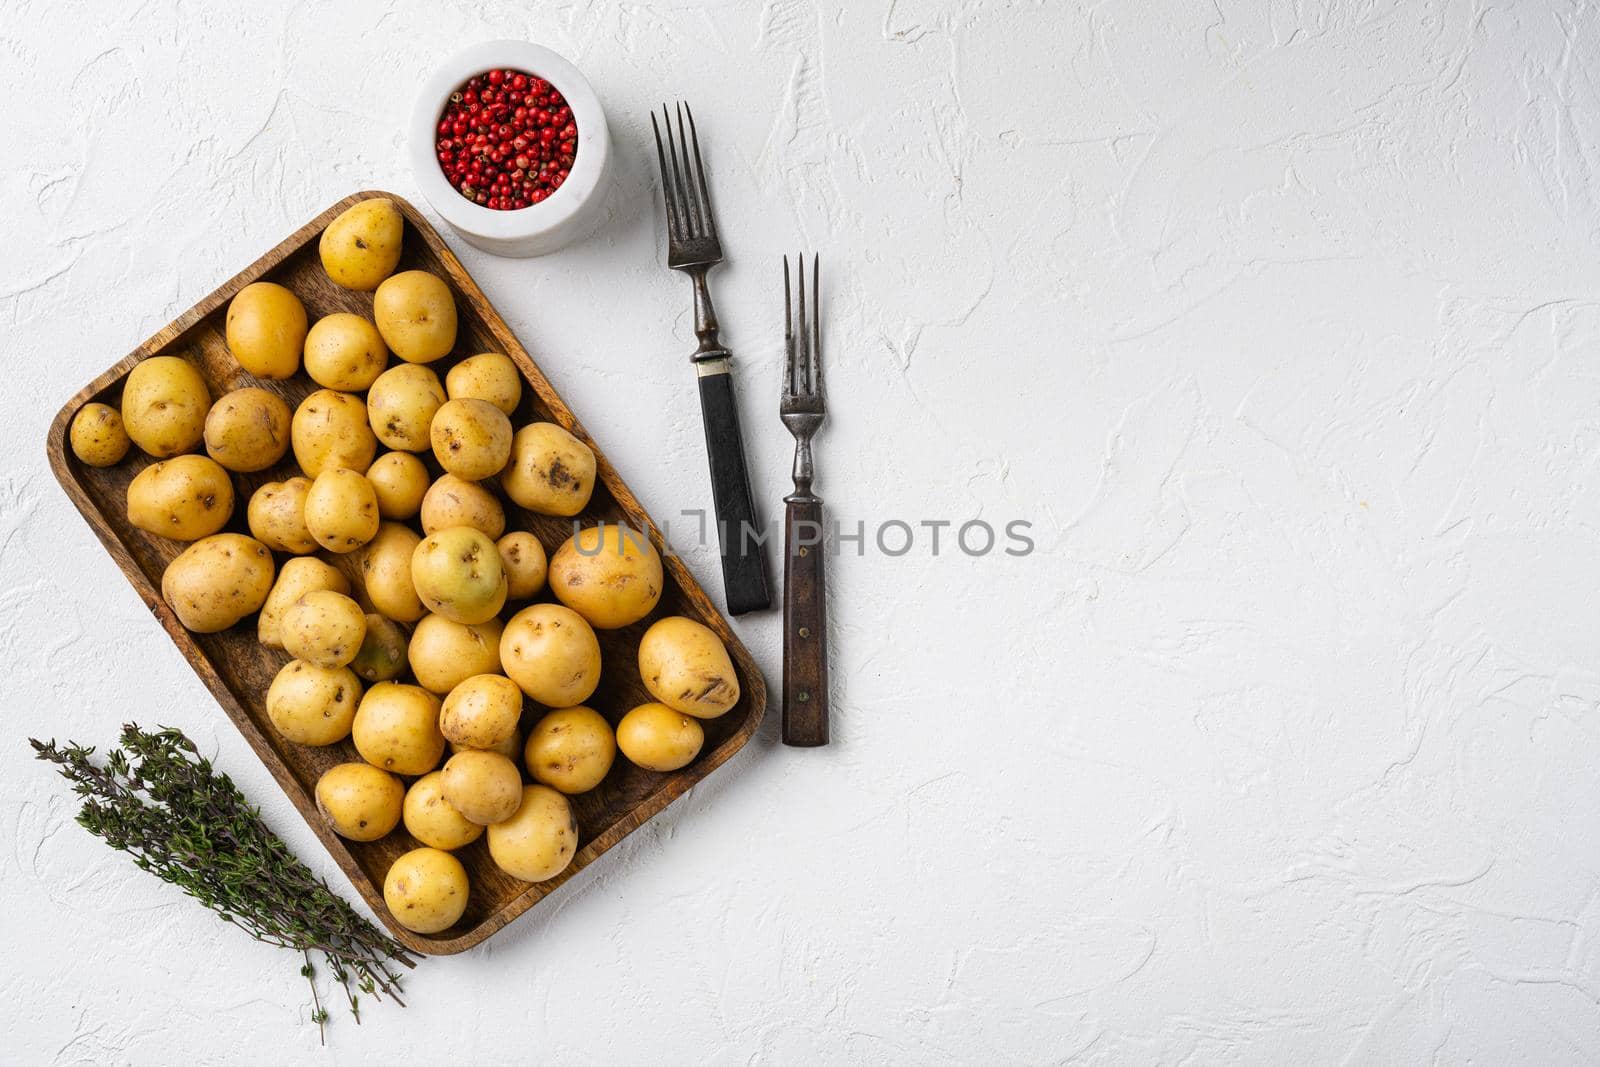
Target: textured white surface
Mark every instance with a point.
(1276, 318)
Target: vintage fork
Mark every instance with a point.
(693, 248)
(805, 620)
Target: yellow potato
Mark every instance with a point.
(549, 471)
(361, 247)
(426, 890)
(301, 575)
(329, 431)
(444, 654)
(184, 498)
(487, 376)
(522, 557)
(609, 574)
(430, 818)
(266, 328)
(539, 840)
(397, 728)
(655, 737)
(313, 705)
(571, 749)
(686, 667)
(481, 712)
(453, 501)
(552, 654)
(248, 430)
(164, 405)
(217, 581)
(416, 315)
(324, 628)
(401, 405)
(458, 575)
(386, 572)
(342, 510)
(401, 482)
(383, 650)
(361, 802)
(277, 516)
(485, 787)
(98, 437)
(345, 351)
(510, 748)
(471, 438)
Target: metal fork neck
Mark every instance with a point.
(705, 320)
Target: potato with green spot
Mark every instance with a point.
(457, 573)
(383, 650)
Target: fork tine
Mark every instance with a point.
(679, 193)
(705, 186)
(666, 177)
(802, 357)
(788, 335)
(816, 327)
(691, 195)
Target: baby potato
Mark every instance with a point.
(97, 436)
(458, 575)
(571, 749)
(510, 748)
(484, 787)
(686, 667)
(301, 575)
(382, 656)
(345, 351)
(266, 328)
(552, 654)
(184, 498)
(453, 501)
(217, 581)
(655, 737)
(401, 405)
(416, 315)
(361, 802)
(550, 471)
(342, 510)
(486, 376)
(324, 628)
(430, 818)
(539, 840)
(397, 728)
(401, 482)
(247, 430)
(386, 572)
(609, 574)
(522, 557)
(426, 890)
(164, 405)
(313, 705)
(329, 431)
(481, 712)
(277, 516)
(444, 654)
(471, 438)
(361, 247)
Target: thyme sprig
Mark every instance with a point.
(157, 799)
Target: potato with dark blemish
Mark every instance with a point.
(397, 728)
(458, 575)
(453, 501)
(277, 516)
(687, 668)
(444, 654)
(266, 330)
(184, 498)
(329, 431)
(312, 705)
(164, 405)
(342, 510)
(550, 471)
(571, 750)
(552, 654)
(539, 840)
(299, 576)
(401, 405)
(426, 890)
(416, 314)
(360, 801)
(382, 657)
(98, 437)
(430, 819)
(610, 574)
(345, 352)
(522, 556)
(248, 429)
(471, 438)
(486, 376)
(361, 247)
(217, 581)
(401, 481)
(324, 628)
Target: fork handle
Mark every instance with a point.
(739, 537)
(805, 625)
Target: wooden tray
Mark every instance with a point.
(238, 670)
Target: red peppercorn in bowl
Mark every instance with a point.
(510, 145)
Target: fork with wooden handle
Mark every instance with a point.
(805, 620)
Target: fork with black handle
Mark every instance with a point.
(694, 248)
(805, 618)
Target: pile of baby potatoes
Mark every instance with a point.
(432, 647)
